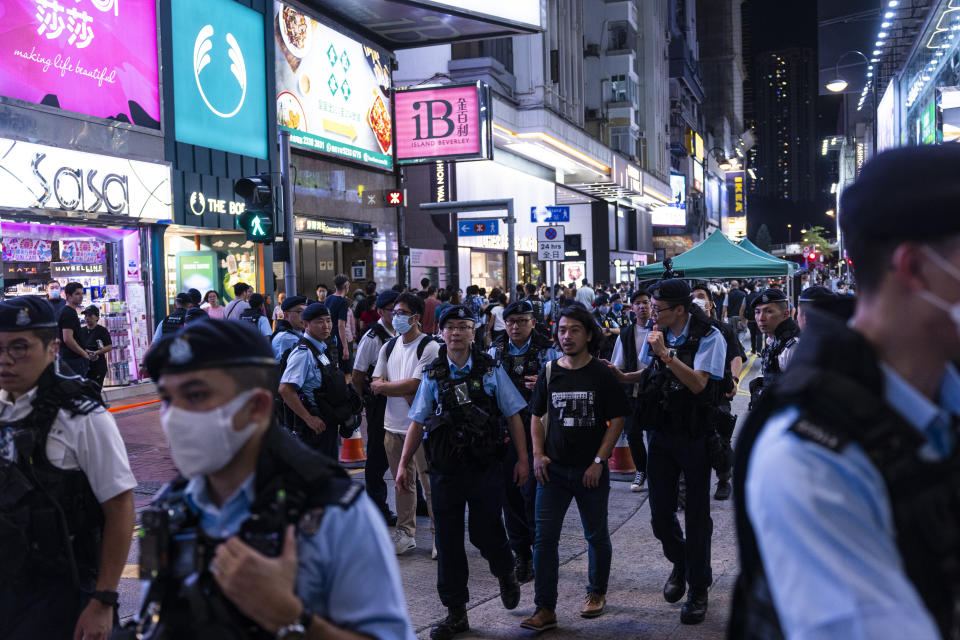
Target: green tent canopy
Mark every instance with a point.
(752, 248)
(718, 257)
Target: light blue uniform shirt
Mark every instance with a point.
(303, 370)
(495, 383)
(711, 355)
(545, 355)
(282, 341)
(825, 529)
(347, 571)
(263, 325)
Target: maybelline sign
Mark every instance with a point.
(34, 176)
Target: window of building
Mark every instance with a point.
(500, 49)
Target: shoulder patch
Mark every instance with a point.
(820, 435)
(791, 342)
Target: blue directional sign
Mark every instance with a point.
(478, 227)
(539, 215)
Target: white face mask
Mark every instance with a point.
(203, 442)
(953, 310)
(700, 302)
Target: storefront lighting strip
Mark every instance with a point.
(657, 196)
(553, 142)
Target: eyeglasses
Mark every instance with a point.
(402, 313)
(458, 328)
(655, 310)
(16, 351)
(516, 322)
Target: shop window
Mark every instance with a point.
(487, 270)
(500, 49)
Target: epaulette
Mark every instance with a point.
(821, 435)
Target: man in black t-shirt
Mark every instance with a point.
(72, 352)
(734, 306)
(96, 340)
(586, 408)
(339, 307)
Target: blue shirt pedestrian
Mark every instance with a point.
(495, 383)
(303, 370)
(825, 528)
(710, 357)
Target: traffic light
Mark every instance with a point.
(257, 217)
(812, 257)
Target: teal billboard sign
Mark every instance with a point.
(219, 76)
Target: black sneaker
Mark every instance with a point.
(676, 584)
(694, 610)
(509, 591)
(524, 568)
(455, 622)
(723, 490)
(389, 516)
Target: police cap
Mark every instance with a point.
(769, 295)
(817, 294)
(209, 344)
(456, 312)
(293, 301)
(906, 193)
(314, 311)
(25, 313)
(387, 297)
(183, 299)
(672, 290)
(615, 297)
(516, 308)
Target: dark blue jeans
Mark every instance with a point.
(450, 495)
(76, 365)
(553, 499)
(671, 454)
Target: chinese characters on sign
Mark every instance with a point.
(550, 243)
(447, 122)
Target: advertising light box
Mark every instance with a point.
(219, 76)
(443, 123)
(333, 92)
(948, 104)
(95, 57)
(673, 215)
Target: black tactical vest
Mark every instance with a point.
(283, 325)
(173, 322)
(464, 433)
(294, 485)
(784, 337)
(836, 382)
(51, 524)
(666, 404)
(524, 364)
(252, 316)
(377, 332)
(335, 402)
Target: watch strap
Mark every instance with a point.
(306, 619)
(108, 598)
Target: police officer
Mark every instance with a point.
(289, 330)
(365, 362)
(813, 297)
(679, 397)
(174, 322)
(459, 405)
(608, 323)
(66, 507)
(868, 411)
(521, 352)
(620, 311)
(781, 334)
(264, 530)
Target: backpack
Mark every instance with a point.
(252, 316)
(392, 343)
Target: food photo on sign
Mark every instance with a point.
(333, 92)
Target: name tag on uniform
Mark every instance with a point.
(462, 393)
(324, 360)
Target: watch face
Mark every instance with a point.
(293, 632)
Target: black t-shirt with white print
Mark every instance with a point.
(581, 402)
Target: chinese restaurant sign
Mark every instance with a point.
(97, 57)
(451, 122)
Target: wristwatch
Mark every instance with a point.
(671, 354)
(108, 598)
(598, 460)
(297, 630)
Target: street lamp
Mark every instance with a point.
(839, 85)
(723, 163)
(789, 233)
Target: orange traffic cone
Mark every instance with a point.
(352, 449)
(621, 461)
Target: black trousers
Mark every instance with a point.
(756, 338)
(377, 464)
(519, 504)
(451, 495)
(327, 443)
(41, 609)
(638, 448)
(671, 455)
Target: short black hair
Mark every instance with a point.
(240, 288)
(581, 314)
(256, 301)
(473, 290)
(700, 286)
(639, 292)
(46, 335)
(413, 302)
(397, 287)
(72, 287)
(424, 282)
(325, 287)
(370, 288)
(340, 281)
(247, 378)
(483, 291)
(431, 290)
(445, 295)
(530, 288)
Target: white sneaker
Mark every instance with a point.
(402, 542)
(433, 554)
(638, 481)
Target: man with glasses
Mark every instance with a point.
(521, 352)
(781, 334)
(459, 406)
(848, 514)
(684, 361)
(66, 513)
(289, 330)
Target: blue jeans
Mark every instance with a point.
(553, 499)
(77, 365)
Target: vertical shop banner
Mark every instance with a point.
(83, 251)
(97, 57)
(948, 105)
(735, 194)
(333, 92)
(928, 124)
(451, 122)
(219, 76)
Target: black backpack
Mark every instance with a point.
(392, 343)
(252, 316)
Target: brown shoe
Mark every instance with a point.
(541, 620)
(594, 606)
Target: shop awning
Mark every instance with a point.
(717, 257)
(401, 24)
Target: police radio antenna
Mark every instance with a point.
(668, 272)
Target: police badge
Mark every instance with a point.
(23, 317)
(180, 351)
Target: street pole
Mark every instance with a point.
(511, 252)
(286, 188)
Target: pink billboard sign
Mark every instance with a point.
(439, 123)
(97, 57)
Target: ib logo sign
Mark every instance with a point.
(219, 76)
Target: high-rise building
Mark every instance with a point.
(784, 86)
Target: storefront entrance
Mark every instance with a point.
(488, 269)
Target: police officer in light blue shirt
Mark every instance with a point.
(846, 477)
(289, 330)
(298, 549)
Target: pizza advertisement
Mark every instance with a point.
(333, 92)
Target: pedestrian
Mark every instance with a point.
(66, 517)
(497, 328)
(194, 314)
(521, 353)
(95, 339)
(368, 308)
(277, 314)
(813, 297)
(284, 558)
(781, 334)
(458, 408)
(609, 326)
(241, 294)
(756, 336)
(734, 307)
(365, 363)
(846, 471)
(212, 305)
(584, 409)
(72, 354)
(679, 398)
(626, 365)
(396, 377)
(446, 297)
(254, 315)
(289, 329)
(55, 297)
(339, 309)
(322, 291)
(585, 294)
(430, 305)
(174, 321)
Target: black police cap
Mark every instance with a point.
(314, 311)
(387, 297)
(183, 298)
(25, 313)
(454, 313)
(770, 295)
(906, 193)
(516, 308)
(817, 294)
(672, 290)
(293, 301)
(209, 344)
